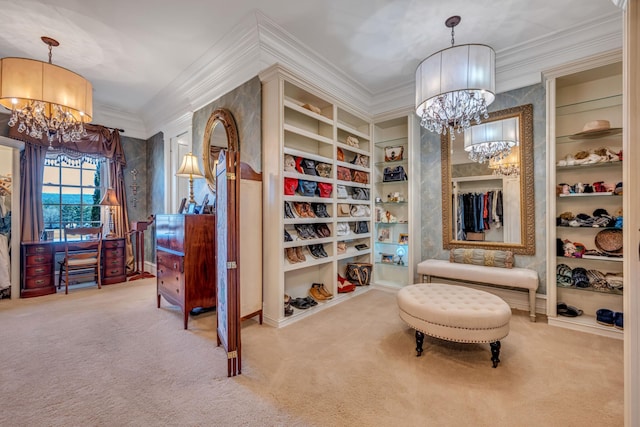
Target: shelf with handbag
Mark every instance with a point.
(318, 156)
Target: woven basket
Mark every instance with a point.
(609, 241)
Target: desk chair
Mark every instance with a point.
(82, 252)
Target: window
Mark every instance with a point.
(71, 194)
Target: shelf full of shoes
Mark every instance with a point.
(585, 244)
(307, 138)
(395, 249)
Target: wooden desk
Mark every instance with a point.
(39, 265)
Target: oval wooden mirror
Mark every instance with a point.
(220, 132)
(509, 223)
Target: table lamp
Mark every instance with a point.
(110, 200)
(189, 168)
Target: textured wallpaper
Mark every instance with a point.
(431, 200)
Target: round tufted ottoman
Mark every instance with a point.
(455, 313)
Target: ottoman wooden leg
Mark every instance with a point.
(495, 353)
(419, 341)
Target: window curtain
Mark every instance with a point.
(100, 142)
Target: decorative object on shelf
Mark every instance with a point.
(598, 155)
(386, 258)
(455, 86)
(395, 197)
(110, 200)
(353, 141)
(400, 252)
(189, 168)
(394, 174)
(384, 236)
(393, 154)
(361, 160)
(45, 99)
(312, 108)
(493, 140)
(361, 246)
(403, 239)
(609, 241)
(388, 218)
(596, 129)
(359, 273)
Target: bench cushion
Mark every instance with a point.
(514, 277)
(454, 313)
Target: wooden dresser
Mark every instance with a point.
(113, 261)
(185, 260)
(38, 269)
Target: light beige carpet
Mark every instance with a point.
(109, 357)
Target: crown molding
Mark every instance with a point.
(109, 116)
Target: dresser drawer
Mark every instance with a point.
(37, 270)
(110, 244)
(112, 262)
(38, 282)
(109, 272)
(38, 249)
(169, 262)
(112, 253)
(38, 259)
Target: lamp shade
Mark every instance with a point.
(26, 80)
(109, 198)
(491, 140)
(189, 167)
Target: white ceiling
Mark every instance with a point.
(141, 53)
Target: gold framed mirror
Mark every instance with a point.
(508, 222)
(220, 132)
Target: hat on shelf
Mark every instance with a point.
(609, 241)
(596, 129)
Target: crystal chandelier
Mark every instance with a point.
(455, 86)
(492, 140)
(507, 166)
(44, 99)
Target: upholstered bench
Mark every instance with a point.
(499, 272)
(455, 313)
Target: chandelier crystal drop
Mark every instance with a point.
(45, 99)
(455, 86)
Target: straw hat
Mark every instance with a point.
(596, 129)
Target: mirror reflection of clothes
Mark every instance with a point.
(479, 211)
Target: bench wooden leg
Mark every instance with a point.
(532, 305)
(495, 353)
(419, 341)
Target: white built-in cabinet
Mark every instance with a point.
(291, 129)
(576, 95)
(397, 203)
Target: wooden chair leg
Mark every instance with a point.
(66, 281)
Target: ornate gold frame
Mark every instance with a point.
(209, 154)
(527, 245)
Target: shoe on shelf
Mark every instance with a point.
(288, 310)
(605, 317)
(344, 285)
(322, 251)
(287, 237)
(287, 211)
(322, 230)
(323, 290)
(308, 210)
(618, 320)
(313, 250)
(300, 210)
(315, 293)
(291, 255)
(299, 254)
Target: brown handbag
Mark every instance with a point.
(344, 209)
(360, 177)
(344, 174)
(340, 155)
(359, 273)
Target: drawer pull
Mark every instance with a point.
(177, 290)
(114, 271)
(175, 265)
(39, 282)
(39, 258)
(40, 250)
(39, 270)
(162, 282)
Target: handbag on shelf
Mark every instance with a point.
(394, 174)
(342, 229)
(344, 174)
(307, 188)
(353, 141)
(342, 191)
(343, 209)
(359, 273)
(360, 177)
(340, 155)
(290, 185)
(361, 160)
(309, 167)
(360, 210)
(324, 170)
(324, 189)
(360, 193)
(289, 163)
(342, 247)
(362, 227)
(392, 154)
